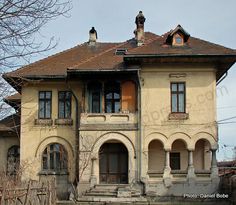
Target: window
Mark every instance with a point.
(95, 90)
(178, 40)
(13, 160)
(45, 103)
(54, 158)
(178, 97)
(64, 104)
(112, 97)
(175, 161)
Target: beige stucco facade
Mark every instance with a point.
(149, 143)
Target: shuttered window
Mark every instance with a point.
(128, 96)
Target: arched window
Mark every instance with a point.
(55, 158)
(112, 97)
(13, 159)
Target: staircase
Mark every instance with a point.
(112, 193)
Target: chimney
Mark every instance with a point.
(92, 36)
(139, 32)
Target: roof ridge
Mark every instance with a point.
(99, 54)
(148, 42)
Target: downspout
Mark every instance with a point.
(222, 78)
(140, 134)
(77, 136)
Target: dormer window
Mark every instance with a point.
(178, 40)
(177, 37)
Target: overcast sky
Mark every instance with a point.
(211, 20)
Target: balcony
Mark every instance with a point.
(108, 121)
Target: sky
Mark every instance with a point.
(211, 20)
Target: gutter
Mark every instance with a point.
(222, 78)
(77, 136)
(140, 142)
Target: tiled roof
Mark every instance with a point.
(10, 124)
(102, 55)
(194, 46)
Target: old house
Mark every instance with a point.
(138, 117)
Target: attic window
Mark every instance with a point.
(178, 40)
(121, 51)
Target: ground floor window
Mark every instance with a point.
(13, 159)
(175, 160)
(54, 158)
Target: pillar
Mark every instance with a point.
(191, 174)
(167, 170)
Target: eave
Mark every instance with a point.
(221, 63)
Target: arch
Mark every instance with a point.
(54, 139)
(109, 136)
(155, 136)
(156, 152)
(179, 136)
(205, 136)
(113, 136)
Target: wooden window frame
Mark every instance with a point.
(63, 162)
(64, 100)
(177, 93)
(112, 100)
(44, 100)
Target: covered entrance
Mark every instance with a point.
(113, 163)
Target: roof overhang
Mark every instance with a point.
(221, 63)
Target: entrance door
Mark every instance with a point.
(113, 163)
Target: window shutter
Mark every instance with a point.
(128, 96)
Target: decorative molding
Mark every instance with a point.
(63, 122)
(43, 122)
(178, 116)
(177, 75)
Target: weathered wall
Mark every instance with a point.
(6, 142)
(34, 138)
(200, 107)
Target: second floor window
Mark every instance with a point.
(45, 104)
(64, 104)
(177, 97)
(112, 97)
(95, 90)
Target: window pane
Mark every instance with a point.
(178, 40)
(174, 103)
(48, 109)
(108, 107)
(116, 96)
(174, 87)
(95, 102)
(68, 95)
(117, 107)
(61, 95)
(181, 103)
(67, 109)
(109, 96)
(48, 95)
(181, 87)
(52, 161)
(41, 95)
(41, 109)
(61, 110)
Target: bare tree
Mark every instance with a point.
(20, 22)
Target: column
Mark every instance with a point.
(167, 174)
(214, 168)
(93, 178)
(191, 173)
